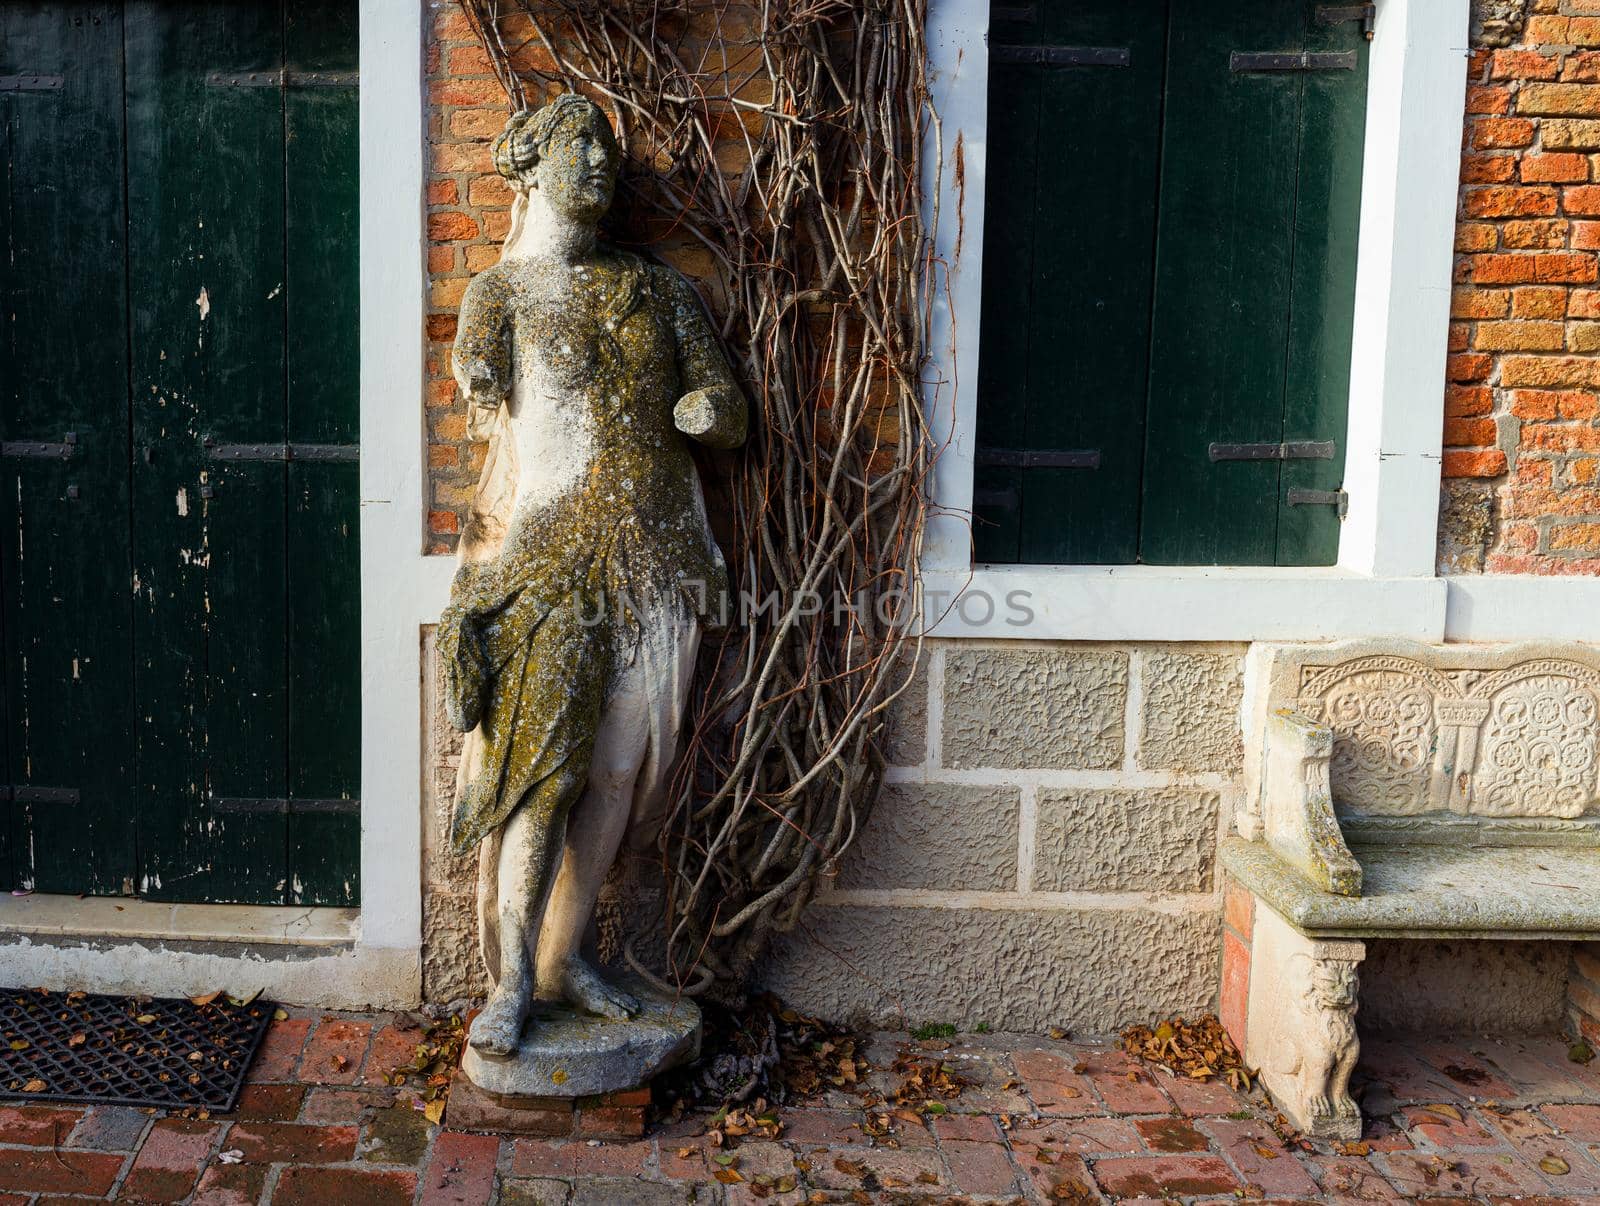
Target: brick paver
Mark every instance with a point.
(1039, 1120)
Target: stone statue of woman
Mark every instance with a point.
(587, 566)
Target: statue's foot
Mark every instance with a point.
(498, 1029)
(582, 987)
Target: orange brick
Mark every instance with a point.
(1519, 337)
(1467, 368)
(477, 123)
(1539, 301)
(496, 223)
(481, 257)
(1578, 404)
(1584, 303)
(443, 456)
(1583, 337)
(1586, 472)
(1467, 401)
(1510, 202)
(1490, 169)
(1542, 372)
(441, 327)
(1522, 65)
(451, 25)
(442, 192)
(1476, 237)
(485, 92)
(1586, 236)
(441, 259)
(1470, 433)
(1567, 133)
(1582, 65)
(1561, 437)
(1535, 234)
(1583, 31)
(469, 60)
(451, 224)
(1459, 334)
(1576, 536)
(1483, 303)
(1534, 405)
(1558, 100)
(1482, 98)
(450, 427)
(1549, 267)
(441, 392)
(1545, 31)
(1459, 463)
(1554, 168)
(489, 190)
(446, 293)
(444, 522)
(451, 157)
(1503, 132)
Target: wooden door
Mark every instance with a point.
(236, 594)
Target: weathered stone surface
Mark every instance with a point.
(937, 835)
(1466, 526)
(567, 1054)
(1301, 1036)
(1103, 840)
(451, 964)
(1496, 731)
(1190, 719)
(1091, 970)
(1041, 707)
(1444, 987)
(907, 741)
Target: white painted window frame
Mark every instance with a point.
(1384, 582)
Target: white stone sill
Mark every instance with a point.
(1182, 603)
(104, 917)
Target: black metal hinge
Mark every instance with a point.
(283, 79)
(31, 83)
(1062, 56)
(1338, 14)
(1295, 450)
(1337, 499)
(1040, 458)
(36, 449)
(281, 805)
(1304, 60)
(282, 452)
(24, 794)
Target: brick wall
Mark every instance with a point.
(1521, 434)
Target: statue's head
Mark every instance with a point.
(566, 151)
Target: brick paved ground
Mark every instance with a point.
(1485, 1119)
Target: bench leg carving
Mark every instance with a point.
(1301, 1036)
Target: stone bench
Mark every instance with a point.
(1401, 791)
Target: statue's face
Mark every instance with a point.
(577, 169)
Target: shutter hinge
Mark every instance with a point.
(23, 794)
(1062, 56)
(1338, 499)
(1294, 450)
(31, 83)
(281, 452)
(282, 79)
(278, 804)
(1040, 458)
(1338, 14)
(33, 448)
(1304, 60)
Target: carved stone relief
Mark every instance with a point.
(1415, 736)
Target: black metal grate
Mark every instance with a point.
(126, 1050)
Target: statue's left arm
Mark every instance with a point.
(712, 408)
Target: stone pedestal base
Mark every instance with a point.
(569, 1054)
(610, 1116)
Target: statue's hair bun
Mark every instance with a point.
(517, 147)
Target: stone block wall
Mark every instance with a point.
(1583, 993)
(1522, 422)
(1043, 852)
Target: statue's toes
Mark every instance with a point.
(620, 1004)
(496, 1031)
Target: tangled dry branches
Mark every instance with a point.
(784, 140)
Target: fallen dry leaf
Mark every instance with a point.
(1555, 1166)
(34, 1086)
(1265, 1152)
(727, 1176)
(1444, 1110)
(205, 999)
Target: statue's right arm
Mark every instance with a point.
(481, 360)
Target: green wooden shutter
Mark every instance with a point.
(1169, 269)
(1070, 203)
(1255, 281)
(64, 568)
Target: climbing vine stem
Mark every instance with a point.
(783, 145)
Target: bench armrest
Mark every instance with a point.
(1296, 804)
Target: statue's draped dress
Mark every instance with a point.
(555, 598)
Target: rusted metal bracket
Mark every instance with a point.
(1338, 14)
(283, 78)
(31, 83)
(1305, 60)
(1337, 499)
(1040, 458)
(1295, 450)
(1062, 56)
(280, 805)
(35, 449)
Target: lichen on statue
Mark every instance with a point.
(586, 568)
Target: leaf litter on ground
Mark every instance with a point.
(1195, 1050)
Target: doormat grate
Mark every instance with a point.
(136, 1051)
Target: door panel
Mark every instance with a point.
(65, 572)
